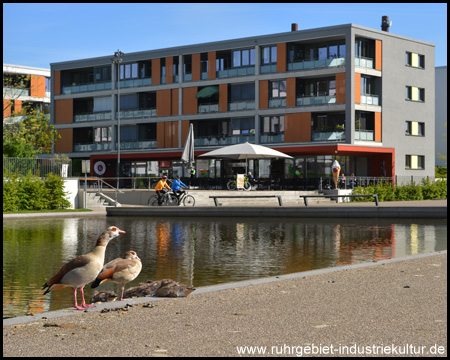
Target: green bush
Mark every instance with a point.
(385, 192)
(33, 193)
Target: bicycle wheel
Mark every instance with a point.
(247, 186)
(231, 185)
(170, 200)
(188, 200)
(153, 200)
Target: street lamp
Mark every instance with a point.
(118, 55)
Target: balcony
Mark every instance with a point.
(208, 108)
(135, 82)
(124, 145)
(271, 138)
(316, 64)
(242, 71)
(137, 114)
(241, 105)
(364, 62)
(73, 89)
(315, 100)
(364, 135)
(98, 116)
(328, 135)
(222, 141)
(370, 100)
(278, 102)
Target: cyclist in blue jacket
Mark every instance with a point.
(176, 187)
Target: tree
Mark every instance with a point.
(30, 137)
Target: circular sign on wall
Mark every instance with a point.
(100, 167)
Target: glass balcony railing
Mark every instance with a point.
(271, 138)
(316, 64)
(86, 87)
(364, 135)
(208, 108)
(124, 145)
(328, 135)
(279, 102)
(243, 71)
(241, 105)
(221, 141)
(370, 99)
(135, 82)
(270, 68)
(364, 62)
(137, 114)
(99, 116)
(91, 147)
(315, 100)
(15, 92)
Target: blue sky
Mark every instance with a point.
(39, 34)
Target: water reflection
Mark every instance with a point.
(199, 252)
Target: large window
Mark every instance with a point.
(129, 71)
(278, 89)
(242, 92)
(272, 125)
(102, 134)
(243, 57)
(269, 55)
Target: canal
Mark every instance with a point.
(200, 252)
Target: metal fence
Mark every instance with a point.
(37, 167)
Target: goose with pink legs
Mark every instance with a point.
(83, 269)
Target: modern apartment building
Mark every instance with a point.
(25, 86)
(362, 96)
(441, 115)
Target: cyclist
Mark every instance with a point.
(176, 188)
(159, 189)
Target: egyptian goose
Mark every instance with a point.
(83, 269)
(120, 270)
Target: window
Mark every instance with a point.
(272, 124)
(128, 71)
(187, 64)
(243, 57)
(415, 60)
(242, 92)
(414, 93)
(269, 55)
(278, 89)
(415, 162)
(414, 128)
(102, 134)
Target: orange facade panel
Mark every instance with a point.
(378, 54)
(357, 88)
(169, 70)
(63, 111)
(281, 57)
(264, 94)
(377, 131)
(340, 88)
(65, 144)
(163, 103)
(290, 92)
(7, 108)
(223, 97)
(156, 71)
(297, 127)
(196, 67)
(174, 101)
(37, 86)
(160, 135)
(190, 104)
(211, 65)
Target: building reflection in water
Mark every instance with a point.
(200, 252)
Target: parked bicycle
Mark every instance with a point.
(232, 184)
(168, 199)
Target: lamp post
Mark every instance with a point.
(118, 55)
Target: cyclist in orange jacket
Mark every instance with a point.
(159, 189)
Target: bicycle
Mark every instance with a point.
(186, 199)
(232, 185)
(168, 199)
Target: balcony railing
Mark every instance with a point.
(221, 141)
(136, 114)
(316, 64)
(242, 71)
(98, 116)
(241, 105)
(370, 99)
(315, 100)
(135, 82)
(86, 87)
(279, 102)
(364, 62)
(328, 135)
(271, 138)
(208, 108)
(124, 145)
(365, 135)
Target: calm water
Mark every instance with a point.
(199, 252)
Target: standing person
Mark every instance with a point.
(192, 176)
(159, 188)
(176, 186)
